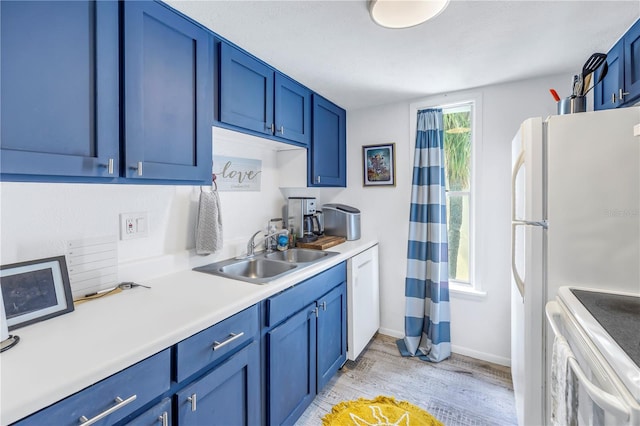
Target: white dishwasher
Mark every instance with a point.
(363, 300)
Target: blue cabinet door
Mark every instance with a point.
(228, 395)
(332, 333)
(168, 91)
(59, 89)
(246, 91)
(605, 94)
(632, 64)
(327, 156)
(291, 367)
(292, 110)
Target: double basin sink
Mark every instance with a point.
(265, 267)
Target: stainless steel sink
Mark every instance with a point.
(265, 267)
(297, 255)
(257, 268)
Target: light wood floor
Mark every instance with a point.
(458, 391)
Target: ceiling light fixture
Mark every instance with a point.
(404, 13)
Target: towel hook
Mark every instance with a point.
(214, 185)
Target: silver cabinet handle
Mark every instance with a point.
(108, 166)
(270, 128)
(613, 98)
(164, 419)
(192, 399)
(324, 306)
(622, 94)
(318, 179)
(281, 130)
(119, 404)
(232, 336)
(137, 168)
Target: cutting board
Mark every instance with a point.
(322, 243)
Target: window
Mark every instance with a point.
(462, 116)
(458, 176)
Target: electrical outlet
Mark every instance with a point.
(133, 225)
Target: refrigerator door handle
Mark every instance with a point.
(514, 225)
(514, 175)
(514, 269)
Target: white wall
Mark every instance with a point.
(480, 325)
(37, 219)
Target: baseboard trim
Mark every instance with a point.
(481, 355)
(457, 349)
(391, 333)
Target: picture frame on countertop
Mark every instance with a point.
(379, 165)
(35, 290)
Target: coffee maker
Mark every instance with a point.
(303, 218)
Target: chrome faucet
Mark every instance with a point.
(251, 245)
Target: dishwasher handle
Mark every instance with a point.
(608, 402)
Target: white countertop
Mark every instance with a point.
(60, 356)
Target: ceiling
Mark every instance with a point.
(334, 48)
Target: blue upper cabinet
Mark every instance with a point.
(632, 64)
(621, 86)
(246, 91)
(293, 110)
(605, 94)
(59, 89)
(168, 95)
(255, 97)
(328, 152)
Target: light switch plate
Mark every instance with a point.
(134, 225)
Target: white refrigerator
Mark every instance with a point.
(575, 222)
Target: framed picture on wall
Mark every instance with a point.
(35, 290)
(379, 164)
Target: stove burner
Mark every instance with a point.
(619, 315)
(622, 306)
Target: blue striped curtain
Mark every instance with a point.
(427, 314)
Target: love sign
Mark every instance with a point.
(237, 174)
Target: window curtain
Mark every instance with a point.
(427, 313)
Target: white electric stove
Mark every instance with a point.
(603, 331)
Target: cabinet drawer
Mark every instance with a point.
(210, 345)
(135, 386)
(290, 301)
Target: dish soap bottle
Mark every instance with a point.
(283, 241)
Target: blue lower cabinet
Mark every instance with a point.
(291, 367)
(228, 395)
(111, 400)
(332, 334)
(158, 415)
(306, 342)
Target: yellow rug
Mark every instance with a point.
(382, 410)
